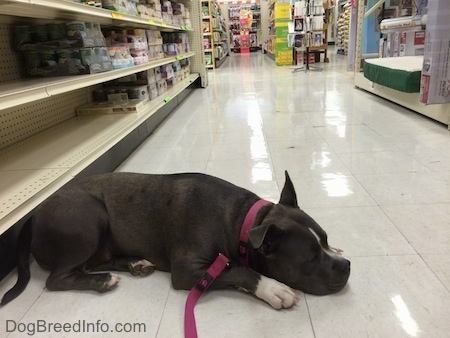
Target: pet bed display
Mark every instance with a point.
(400, 73)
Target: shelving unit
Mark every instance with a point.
(207, 15)
(220, 37)
(215, 36)
(245, 26)
(332, 22)
(438, 112)
(324, 31)
(276, 47)
(269, 45)
(255, 30)
(28, 90)
(343, 30)
(43, 143)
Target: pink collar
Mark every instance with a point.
(216, 268)
(249, 222)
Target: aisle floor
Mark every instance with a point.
(374, 175)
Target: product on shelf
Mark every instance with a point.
(168, 12)
(154, 37)
(63, 49)
(121, 93)
(120, 57)
(102, 108)
(208, 59)
(122, 6)
(206, 43)
(135, 40)
(155, 42)
(96, 3)
(205, 11)
(129, 94)
(175, 44)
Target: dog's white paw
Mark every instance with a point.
(112, 283)
(141, 267)
(278, 295)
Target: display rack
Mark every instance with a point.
(255, 30)
(269, 45)
(208, 46)
(44, 144)
(331, 17)
(323, 48)
(215, 36)
(277, 46)
(438, 112)
(245, 27)
(343, 30)
(310, 35)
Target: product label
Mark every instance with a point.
(116, 15)
(419, 38)
(402, 37)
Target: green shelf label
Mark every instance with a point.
(167, 99)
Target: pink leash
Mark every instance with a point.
(216, 268)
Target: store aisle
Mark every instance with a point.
(374, 175)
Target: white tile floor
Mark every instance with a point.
(374, 175)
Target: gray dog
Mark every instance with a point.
(177, 223)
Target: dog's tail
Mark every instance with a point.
(23, 264)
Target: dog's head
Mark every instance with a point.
(293, 249)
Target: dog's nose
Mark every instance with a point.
(343, 266)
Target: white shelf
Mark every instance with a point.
(70, 10)
(25, 91)
(33, 169)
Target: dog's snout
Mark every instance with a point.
(342, 265)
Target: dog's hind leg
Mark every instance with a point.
(61, 280)
(136, 266)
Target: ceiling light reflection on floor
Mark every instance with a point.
(320, 160)
(404, 316)
(261, 171)
(336, 185)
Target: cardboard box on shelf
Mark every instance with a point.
(435, 81)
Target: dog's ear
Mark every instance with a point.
(266, 238)
(288, 195)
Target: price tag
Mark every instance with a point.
(181, 57)
(151, 22)
(116, 15)
(167, 99)
(164, 24)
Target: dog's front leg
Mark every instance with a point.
(277, 294)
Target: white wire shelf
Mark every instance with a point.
(33, 169)
(23, 91)
(70, 10)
